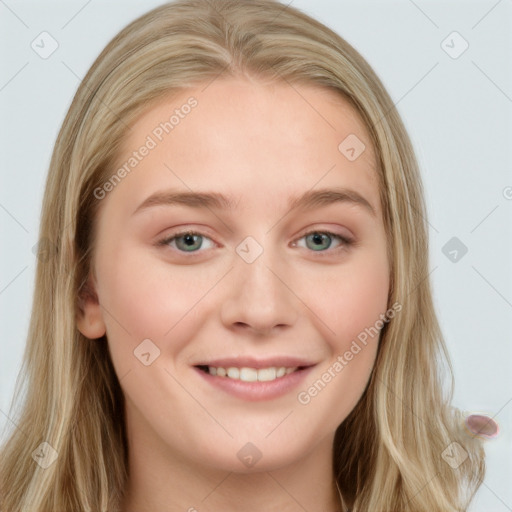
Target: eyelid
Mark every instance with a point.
(328, 231)
(167, 239)
(346, 241)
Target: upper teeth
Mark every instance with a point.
(251, 374)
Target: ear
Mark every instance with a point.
(89, 317)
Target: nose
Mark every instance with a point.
(260, 298)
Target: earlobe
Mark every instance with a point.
(89, 319)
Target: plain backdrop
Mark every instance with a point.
(455, 101)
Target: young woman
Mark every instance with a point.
(237, 313)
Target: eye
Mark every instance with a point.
(192, 241)
(186, 241)
(319, 241)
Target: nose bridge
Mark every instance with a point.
(257, 260)
(257, 295)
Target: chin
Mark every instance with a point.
(246, 457)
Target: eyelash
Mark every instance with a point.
(345, 242)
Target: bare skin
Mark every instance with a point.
(198, 300)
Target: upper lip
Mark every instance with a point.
(251, 362)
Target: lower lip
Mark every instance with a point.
(257, 391)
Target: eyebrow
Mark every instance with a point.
(214, 200)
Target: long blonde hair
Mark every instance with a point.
(388, 453)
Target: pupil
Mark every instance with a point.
(318, 239)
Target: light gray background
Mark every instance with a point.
(458, 113)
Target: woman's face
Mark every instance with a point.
(275, 278)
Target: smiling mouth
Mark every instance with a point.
(246, 374)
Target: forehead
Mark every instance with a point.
(255, 142)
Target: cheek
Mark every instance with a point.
(351, 298)
(144, 298)
(349, 304)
